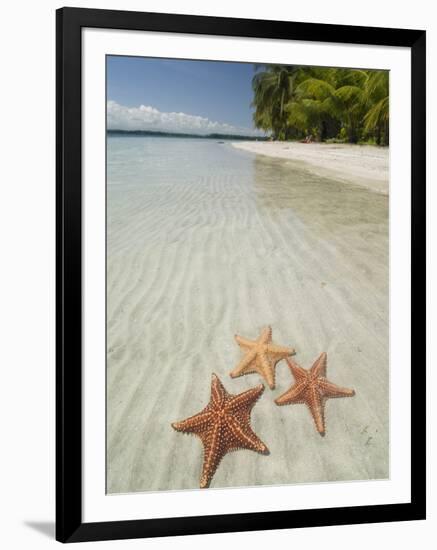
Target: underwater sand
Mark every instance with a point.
(205, 241)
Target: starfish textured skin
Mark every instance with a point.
(261, 356)
(223, 426)
(312, 388)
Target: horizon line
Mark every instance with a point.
(212, 135)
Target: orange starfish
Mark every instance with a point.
(312, 388)
(261, 356)
(223, 426)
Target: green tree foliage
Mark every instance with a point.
(273, 90)
(325, 103)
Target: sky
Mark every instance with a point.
(179, 96)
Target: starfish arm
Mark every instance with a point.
(194, 424)
(244, 437)
(294, 395)
(244, 364)
(319, 366)
(297, 371)
(315, 405)
(245, 400)
(266, 336)
(279, 351)
(213, 453)
(267, 369)
(218, 392)
(332, 390)
(244, 342)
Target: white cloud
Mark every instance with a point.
(146, 117)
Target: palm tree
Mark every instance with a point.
(376, 120)
(273, 88)
(338, 94)
(312, 110)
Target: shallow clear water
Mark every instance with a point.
(205, 241)
(144, 165)
(143, 160)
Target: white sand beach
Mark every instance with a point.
(363, 165)
(205, 241)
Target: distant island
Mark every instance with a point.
(151, 133)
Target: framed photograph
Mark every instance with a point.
(240, 274)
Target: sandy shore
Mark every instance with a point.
(244, 242)
(363, 165)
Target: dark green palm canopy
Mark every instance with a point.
(295, 102)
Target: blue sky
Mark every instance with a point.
(172, 95)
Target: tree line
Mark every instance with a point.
(323, 104)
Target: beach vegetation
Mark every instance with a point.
(322, 104)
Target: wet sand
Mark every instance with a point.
(364, 165)
(231, 251)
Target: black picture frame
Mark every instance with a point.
(69, 525)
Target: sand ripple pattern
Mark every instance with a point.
(205, 241)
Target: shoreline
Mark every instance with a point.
(363, 165)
